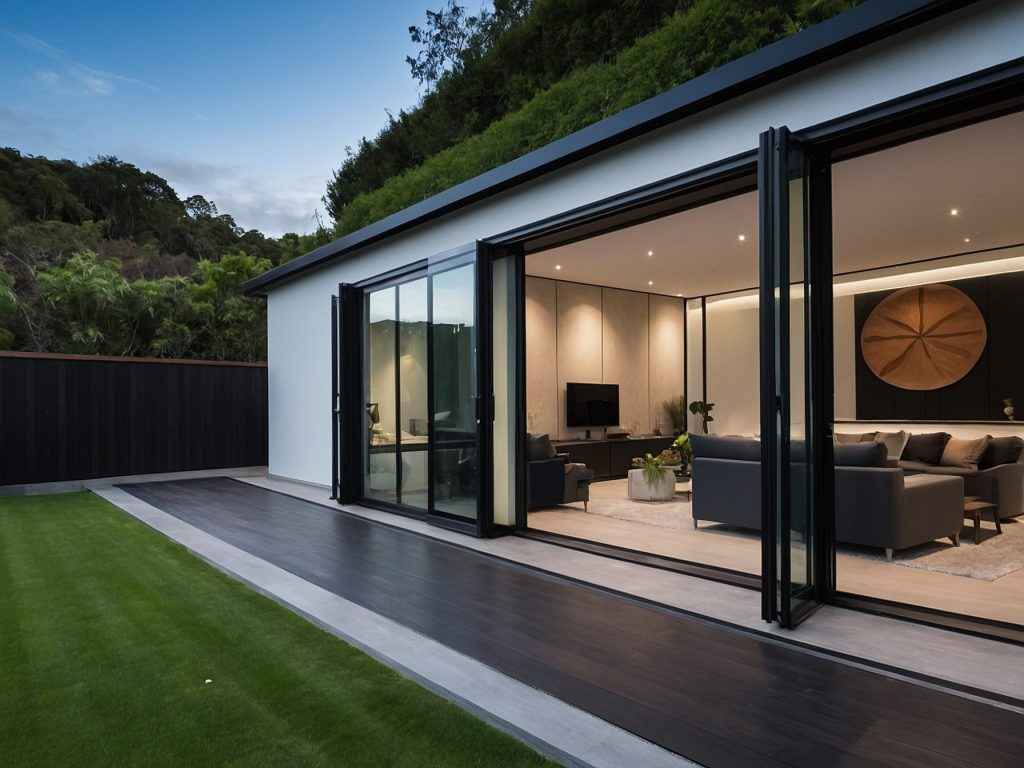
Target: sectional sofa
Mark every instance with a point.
(876, 505)
(991, 467)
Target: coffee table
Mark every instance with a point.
(975, 508)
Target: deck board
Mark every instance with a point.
(717, 696)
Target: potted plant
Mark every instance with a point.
(704, 409)
(651, 478)
(675, 407)
(684, 448)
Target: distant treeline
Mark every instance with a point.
(554, 67)
(104, 258)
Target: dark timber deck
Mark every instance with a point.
(717, 696)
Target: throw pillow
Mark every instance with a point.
(894, 443)
(1001, 450)
(847, 437)
(926, 449)
(541, 448)
(964, 453)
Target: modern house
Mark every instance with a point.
(824, 238)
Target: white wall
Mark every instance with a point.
(977, 37)
(734, 365)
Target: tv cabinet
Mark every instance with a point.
(613, 458)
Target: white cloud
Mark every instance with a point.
(74, 77)
(271, 205)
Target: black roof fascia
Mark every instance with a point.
(861, 26)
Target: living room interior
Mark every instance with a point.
(928, 262)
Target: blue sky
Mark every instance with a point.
(250, 104)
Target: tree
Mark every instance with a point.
(8, 308)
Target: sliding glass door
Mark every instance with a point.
(424, 367)
(795, 427)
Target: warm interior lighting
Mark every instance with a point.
(650, 282)
(679, 295)
(743, 238)
(967, 239)
(954, 211)
(650, 253)
(558, 266)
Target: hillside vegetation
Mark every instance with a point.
(691, 38)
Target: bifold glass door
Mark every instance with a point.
(796, 449)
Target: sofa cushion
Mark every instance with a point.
(964, 453)
(950, 471)
(855, 437)
(1001, 450)
(926, 448)
(541, 448)
(860, 455)
(894, 443)
(718, 447)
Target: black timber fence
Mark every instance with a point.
(76, 417)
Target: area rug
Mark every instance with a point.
(994, 557)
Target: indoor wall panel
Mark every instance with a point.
(667, 353)
(541, 357)
(626, 355)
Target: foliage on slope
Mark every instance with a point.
(704, 35)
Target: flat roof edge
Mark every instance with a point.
(861, 26)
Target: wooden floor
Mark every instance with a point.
(717, 696)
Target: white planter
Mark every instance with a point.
(663, 489)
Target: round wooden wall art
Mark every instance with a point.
(923, 338)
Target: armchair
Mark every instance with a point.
(552, 479)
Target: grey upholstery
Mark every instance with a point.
(551, 480)
(1002, 485)
(876, 506)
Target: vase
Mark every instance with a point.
(1009, 411)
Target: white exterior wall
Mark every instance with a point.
(957, 44)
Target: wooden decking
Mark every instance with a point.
(717, 696)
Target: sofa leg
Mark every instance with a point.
(955, 538)
(888, 554)
(584, 505)
(695, 523)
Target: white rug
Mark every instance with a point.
(995, 556)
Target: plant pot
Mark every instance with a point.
(662, 489)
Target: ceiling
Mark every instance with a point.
(890, 207)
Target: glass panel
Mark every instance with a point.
(454, 396)
(413, 409)
(381, 479)
(798, 533)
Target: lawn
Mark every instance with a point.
(109, 633)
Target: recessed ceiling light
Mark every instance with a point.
(679, 295)
(967, 239)
(650, 282)
(558, 266)
(650, 253)
(743, 238)
(954, 211)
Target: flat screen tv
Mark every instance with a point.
(591, 405)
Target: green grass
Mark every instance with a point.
(108, 632)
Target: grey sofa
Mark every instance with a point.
(999, 477)
(876, 506)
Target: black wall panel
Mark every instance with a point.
(65, 418)
(979, 395)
